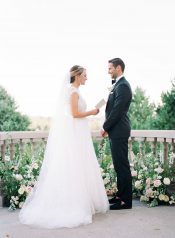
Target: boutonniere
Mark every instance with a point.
(110, 89)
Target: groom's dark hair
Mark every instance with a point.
(116, 62)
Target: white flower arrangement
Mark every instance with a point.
(19, 175)
(152, 184)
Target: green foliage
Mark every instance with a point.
(107, 168)
(166, 111)
(19, 175)
(10, 119)
(141, 111)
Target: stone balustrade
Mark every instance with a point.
(9, 139)
(164, 137)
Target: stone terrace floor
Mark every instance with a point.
(141, 221)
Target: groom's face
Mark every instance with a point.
(112, 71)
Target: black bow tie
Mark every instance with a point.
(113, 81)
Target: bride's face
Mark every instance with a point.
(83, 78)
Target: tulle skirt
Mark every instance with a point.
(70, 188)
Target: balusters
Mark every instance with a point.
(154, 146)
(173, 145)
(22, 146)
(44, 140)
(130, 149)
(12, 149)
(34, 143)
(3, 149)
(9, 140)
(142, 147)
(165, 151)
(173, 150)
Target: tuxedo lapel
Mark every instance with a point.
(118, 82)
(112, 90)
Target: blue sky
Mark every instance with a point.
(41, 39)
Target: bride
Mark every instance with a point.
(70, 188)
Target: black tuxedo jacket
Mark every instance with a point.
(117, 123)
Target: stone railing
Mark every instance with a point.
(9, 139)
(164, 137)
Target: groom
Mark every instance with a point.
(117, 126)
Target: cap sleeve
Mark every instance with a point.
(73, 90)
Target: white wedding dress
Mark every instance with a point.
(70, 188)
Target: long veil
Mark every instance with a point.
(59, 126)
(54, 162)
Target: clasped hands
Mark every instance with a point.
(103, 133)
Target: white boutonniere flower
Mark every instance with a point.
(110, 89)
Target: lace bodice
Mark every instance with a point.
(81, 102)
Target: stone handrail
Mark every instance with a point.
(166, 137)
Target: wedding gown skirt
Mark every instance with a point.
(70, 188)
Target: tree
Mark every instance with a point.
(141, 111)
(165, 119)
(10, 119)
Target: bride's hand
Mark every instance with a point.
(95, 111)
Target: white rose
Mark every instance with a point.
(138, 184)
(159, 170)
(111, 166)
(21, 204)
(21, 190)
(134, 173)
(166, 199)
(166, 181)
(157, 183)
(18, 177)
(148, 181)
(106, 181)
(7, 158)
(156, 164)
(149, 192)
(161, 197)
(144, 199)
(35, 166)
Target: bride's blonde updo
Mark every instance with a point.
(74, 71)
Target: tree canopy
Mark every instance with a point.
(10, 118)
(141, 111)
(165, 119)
